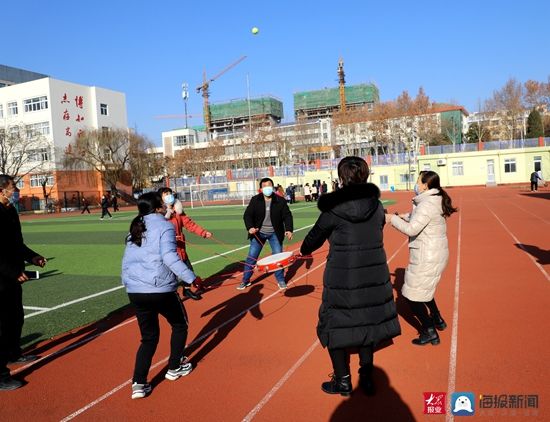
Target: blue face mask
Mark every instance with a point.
(169, 199)
(267, 190)
(417, 190)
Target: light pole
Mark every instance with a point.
(185, 96)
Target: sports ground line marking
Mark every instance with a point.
(163, 361)
(72, 302)
(454, 333)
(35, 308)
(280, 383)
(542, 270)
(529, 212)
(294, 367)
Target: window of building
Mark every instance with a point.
(41, 154)
(36, 104)
(36, 180)
(458, 168)
(427, 167)
(1, 111)
(20, 184)
(183, 140)
(12, 109)
(537, 161)
(509, 165)
(404, 178)
(104, 109)
(325, 135)
(42, 128)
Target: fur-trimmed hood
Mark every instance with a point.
(354, 203)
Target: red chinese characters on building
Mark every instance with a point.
(80, 132)
(64, 99)
(79, 118)
(68, 131)
(79, 101)
(66, 115)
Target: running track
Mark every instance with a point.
(263, 362)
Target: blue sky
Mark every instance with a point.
(460, 51)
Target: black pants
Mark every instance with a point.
(11, 324)
(148, 307)
(104, 212)
(420, 310)
(85, 209)
(534, 185)
(340, 360)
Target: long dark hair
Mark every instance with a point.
(431, 178)
(353, 171)
(147, 204)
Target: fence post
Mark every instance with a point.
(541, 141)
(480, 146)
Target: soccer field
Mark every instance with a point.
(81, 282)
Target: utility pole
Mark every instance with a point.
(185, 96)
(342, 85)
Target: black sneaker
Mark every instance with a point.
(8, 383)
(187, 292)
(24, 359)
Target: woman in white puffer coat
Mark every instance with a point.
(426, 227)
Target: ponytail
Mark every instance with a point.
(148, 203)
(446, 204)
(431, 178)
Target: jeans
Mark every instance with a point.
(254, 253)
(148, 307)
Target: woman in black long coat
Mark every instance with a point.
(358, 309)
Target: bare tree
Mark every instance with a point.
(108, 152)
(23, 150)
(507, 102)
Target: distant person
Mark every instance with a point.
(151, 267)
(105, 207)
(267, 218)
(426, 227)
(357, 310)
(85, 205)
(307, 192)
(324, 188)
(314, 191)
(13, 254)
(114, 203)
(280, 191)
(290, 194)
(176, 215)
(535, 177)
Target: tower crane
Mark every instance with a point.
(205, 88)
(342, 84)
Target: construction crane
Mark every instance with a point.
(205, 88)
(342, 84)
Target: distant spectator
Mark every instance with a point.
(534, 181)
(85, 205)
(314, 191)
(105, 207)
(307, 192)
(324, 188)
(114, 203)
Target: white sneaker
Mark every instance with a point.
(140, 390)
(183, 370)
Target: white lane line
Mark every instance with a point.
(291, 371)
(162, 361)
(72, 302)
(35, 308)
(81, 299)
(520, 245)
(529, 212)
(280, 383)
(72, 346)
(454, 332)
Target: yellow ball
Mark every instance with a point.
(255, 30)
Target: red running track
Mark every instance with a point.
(258, 358)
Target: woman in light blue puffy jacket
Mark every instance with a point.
(150, 271)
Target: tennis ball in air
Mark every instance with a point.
(255, 30)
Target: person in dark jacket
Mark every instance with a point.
(13, 254)
(357, 309)
(534, 181)
(105, 207)
(267, 219)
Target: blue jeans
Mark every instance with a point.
(254, 253)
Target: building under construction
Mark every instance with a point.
(233, 116)
(312, 105)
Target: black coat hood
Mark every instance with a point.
(353, 203)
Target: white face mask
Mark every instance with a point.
(169, 199)
(267, 190)
(417, 189)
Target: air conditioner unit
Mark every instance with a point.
(413, 169)
(442, 162)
